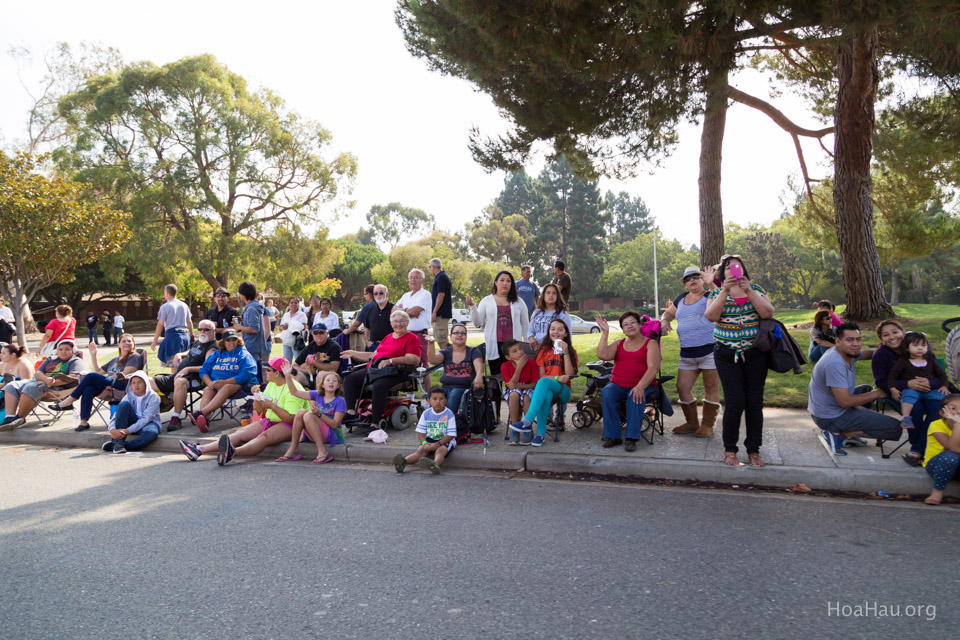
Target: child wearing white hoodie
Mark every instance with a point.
(138, 413)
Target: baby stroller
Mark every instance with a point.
(401, 409)
(589, 406)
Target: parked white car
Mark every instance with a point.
(346, 318)
(460, 316)
(579, 325)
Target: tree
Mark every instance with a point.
(629, 269)
(47, 230)
(391, 222)
(629, 217)
(354, 271)
(66, 72)
(109, 278)
(188, 148)
(292, 262)
(498, 237)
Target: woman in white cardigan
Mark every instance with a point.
(502, 315)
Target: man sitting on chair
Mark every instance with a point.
(57, 373)
(321, 354)
(835, 402)
(187, 376)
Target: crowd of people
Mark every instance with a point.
(527, 346)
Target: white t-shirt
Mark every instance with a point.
(419, 299)
(331, 322)
(7, 314)
(299, 316)
(118, 321)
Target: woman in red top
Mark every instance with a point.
(558, 362)
(63, 327)
(400, 347)
(636, 360)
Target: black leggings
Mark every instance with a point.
(379, 389)
(743, 383)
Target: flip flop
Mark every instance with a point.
(286, 459)
(324, 461)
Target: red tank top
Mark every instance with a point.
(629, 366)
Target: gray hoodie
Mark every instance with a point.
(147, 406)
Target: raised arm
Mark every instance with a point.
(605, 351)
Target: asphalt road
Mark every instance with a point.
(152, 546)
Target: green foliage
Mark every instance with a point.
(353, 270)
(629, 270)
(205, 165)
(499, 238)
(392, 222)
(293, 263)
(629, 217)
(48, 229)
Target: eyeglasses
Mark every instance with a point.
(205, 329)
(231, 339)
(626, 325)
(220, 295)
(379, 293)
(694, 276)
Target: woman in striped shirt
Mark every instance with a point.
(736, 307)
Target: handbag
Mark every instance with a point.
(51, 346)
(375, 373)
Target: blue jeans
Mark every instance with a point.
(612, 396)
(92, 335)
(290, 353)
(816, 352)
(454, 397)
(127, 416)
(543, 395)
(92, 385)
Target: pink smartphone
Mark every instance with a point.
(736, 271)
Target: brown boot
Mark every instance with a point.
(710, 411)
(692, 423)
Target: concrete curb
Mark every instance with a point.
(475, 457)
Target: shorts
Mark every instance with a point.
(441, 330)
(30, 388)
(450, 445)
(522, 392)
(266, 423)
(165, 383)
(696, 364)
(909, 396)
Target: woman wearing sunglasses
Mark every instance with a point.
(736, 307)
(696, 354)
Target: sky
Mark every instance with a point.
(344, 65)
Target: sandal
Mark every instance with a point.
(730, 458)
(324, 461)
(286, 459)
(912, 459)
(756, 460)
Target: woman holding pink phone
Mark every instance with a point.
(736, 308)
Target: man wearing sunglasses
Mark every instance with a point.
(221, 313)
(375, 316)
(187, 366)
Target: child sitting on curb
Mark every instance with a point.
(439, 425)
(520, 376)
(942, 456)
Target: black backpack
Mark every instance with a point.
(478, 414)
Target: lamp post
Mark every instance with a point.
(656, 289)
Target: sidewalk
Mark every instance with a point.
(792, 448)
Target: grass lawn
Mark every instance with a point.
(782, 390)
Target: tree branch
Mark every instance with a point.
(776, 115)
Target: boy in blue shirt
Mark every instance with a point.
(439, 426)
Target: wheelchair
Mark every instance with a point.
(402, 407)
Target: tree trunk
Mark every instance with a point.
(894, 286)
(711, 157)
(917, 280)
(858, 78)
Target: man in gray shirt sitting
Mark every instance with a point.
(836, 402)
